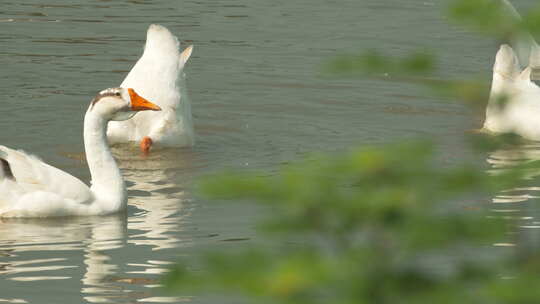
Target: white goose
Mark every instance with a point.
(158, 75)
(32, 188)
(514, 103)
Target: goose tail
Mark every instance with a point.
(506, 73)
(161, 42)
(506, 65)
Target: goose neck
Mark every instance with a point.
(107, 182)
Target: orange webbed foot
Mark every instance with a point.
(146, 143)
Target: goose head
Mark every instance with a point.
(120, 104)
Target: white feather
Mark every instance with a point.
(158, 76)
(39, 189)
(514, 104)
(31, 188)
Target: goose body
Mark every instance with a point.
(31, 188)
(158, 75)
(514, 103)
(36, 189)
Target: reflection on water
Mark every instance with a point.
(160, 199)
(39, 238)
(509, 158)
(29, 247)
(259, 100)
(519, 205)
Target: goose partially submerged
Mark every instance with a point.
(158, 75)
(514, 104)
(31, 188)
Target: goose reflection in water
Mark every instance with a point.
(160, 195)
(50, 250)
(520, 204)
(103, 280)
(511, 157)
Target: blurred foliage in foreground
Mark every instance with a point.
(385, 224)
(496, 18)
(378, 225)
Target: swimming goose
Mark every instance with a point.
(158, 75)
(514, 103)
(31, 188)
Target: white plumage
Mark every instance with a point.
(158, 75)
(514, 104)
(39, 189)
(31, 188)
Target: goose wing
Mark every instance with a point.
(32, 174)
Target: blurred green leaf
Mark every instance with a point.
(373, 63)
(488, 16)
(382, 224)
(373, 210)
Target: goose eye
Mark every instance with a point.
(117, 93)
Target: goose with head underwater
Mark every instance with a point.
(514, 102)
(31, 188)
(158, 75)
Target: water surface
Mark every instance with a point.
(259, 100)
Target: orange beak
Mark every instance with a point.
(138, 103)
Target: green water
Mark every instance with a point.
(259, 100)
